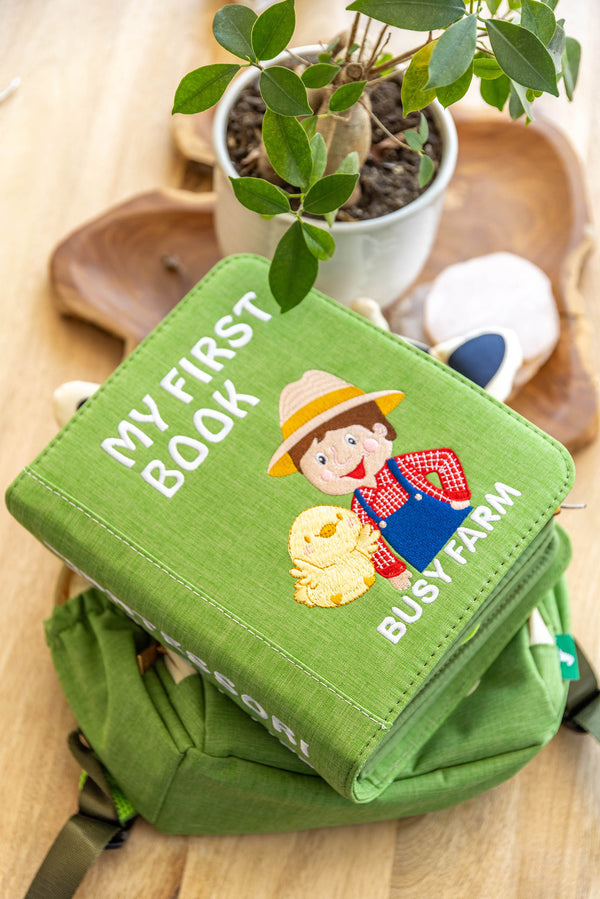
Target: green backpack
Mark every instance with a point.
(254, 656)
(179, 753)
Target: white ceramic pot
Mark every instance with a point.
(378, 258)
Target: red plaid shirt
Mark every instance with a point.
(389, 496)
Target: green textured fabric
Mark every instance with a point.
(159, 492)
(192, 762)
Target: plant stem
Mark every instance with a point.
(301, 59)
(386, 131)
(364, 38)
(353, 31)
(375, 51)
(402, 57)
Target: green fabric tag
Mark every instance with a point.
(312, 512)
(567, 654)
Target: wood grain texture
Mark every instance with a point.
(126, 269)
(88, 128)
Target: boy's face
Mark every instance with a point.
(346, 459)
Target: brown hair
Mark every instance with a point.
(367, 415)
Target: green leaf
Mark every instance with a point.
(319, 241)
(522, 56)
(310, 125)
(570, 64)
(413, 95)
(515, 107)
(329, 193)
(486, 67)
(493, 5)
(496, 92)
(324, 58)
(318, 150)
(232, 27)
(202, 88)
(519, 102)
(293, 270)
(346, 96)
(260, 196)
(273, 29)
(551, 3)
(426, 170)
(349, 165)
(330, 217)
(423, 128)
(381, 61)
(413, 15)
(413, 140)
(453, 53)
(288, 148)
(538, 18)
(556, 47)
(319, 75)
(283, 91)
(452, 93)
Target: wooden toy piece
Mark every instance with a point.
(371, 310)
(498, 290)
(68, 398)
(126, 269)
(489, 358)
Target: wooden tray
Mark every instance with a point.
(519, 188)
(516, 188)
(126, 269)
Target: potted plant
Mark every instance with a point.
(316, 131)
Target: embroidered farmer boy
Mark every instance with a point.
(339, 438)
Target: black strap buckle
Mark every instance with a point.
(121, 837)
(582, 692)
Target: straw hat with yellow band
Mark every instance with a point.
(316, 398)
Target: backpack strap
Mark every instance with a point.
(582, 712)
(96, 826)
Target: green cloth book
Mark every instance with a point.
(336, 530)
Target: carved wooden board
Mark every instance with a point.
(516, 188)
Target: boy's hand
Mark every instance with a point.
(401, 581)
(460, 503)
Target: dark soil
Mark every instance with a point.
(389, 176)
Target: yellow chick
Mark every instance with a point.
(331, 552)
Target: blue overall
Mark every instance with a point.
(419, 529)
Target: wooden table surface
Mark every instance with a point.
(88, 127)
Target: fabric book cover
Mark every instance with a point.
(338, 531)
